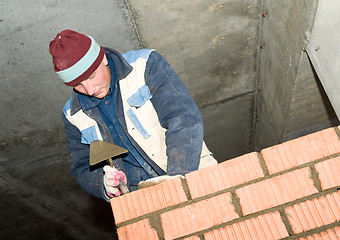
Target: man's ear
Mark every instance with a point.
(105, 60)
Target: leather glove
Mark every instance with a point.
(112, 178)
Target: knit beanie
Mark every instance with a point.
(75, 56)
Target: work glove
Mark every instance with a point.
(155, 180)
(112, 178)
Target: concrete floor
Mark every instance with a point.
(39, 198)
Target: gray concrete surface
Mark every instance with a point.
(323, 49)
(243, 62)
(31, 95)
(213, 47)
(291, 101)
(284, 28)
(39, 199)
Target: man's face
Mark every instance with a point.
(98, 84)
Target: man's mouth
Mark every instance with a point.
(96, 93)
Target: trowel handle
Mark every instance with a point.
(110, 162)
(122, 186)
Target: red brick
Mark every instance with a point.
(331, 234)
(276, 191)
(301, 150)
(224, 175)
(198, 216)
(147, 200)
(329, 173)
(314, 213)
(267, 226)
(192, 238)
(141, 230)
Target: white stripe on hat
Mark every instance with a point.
(71, 73)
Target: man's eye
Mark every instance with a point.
(92, 76)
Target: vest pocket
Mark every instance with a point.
(136, 101)
(132, 116)
(139, 98)
(88, 135)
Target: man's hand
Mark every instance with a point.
(112, 178)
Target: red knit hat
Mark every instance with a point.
(75, 56)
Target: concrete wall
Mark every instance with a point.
(211, 45)
(32, 96)
(291, 100)
(323, 50)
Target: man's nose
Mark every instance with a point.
(88, 87)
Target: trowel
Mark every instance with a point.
(104, 151)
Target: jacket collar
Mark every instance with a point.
(122, 69)
(121, 65)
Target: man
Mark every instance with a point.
(135, 101)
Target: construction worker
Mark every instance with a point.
(134, 100)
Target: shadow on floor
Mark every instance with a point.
(39, 199)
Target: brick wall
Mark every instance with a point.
(288, 191)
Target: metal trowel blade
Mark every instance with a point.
(102, 151)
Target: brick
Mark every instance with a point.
(198, 216)
(267, 226)
(224, 175)
(301, 150)
(276, 191)
(331, 234)
(329, 173)
(147, 200)
(192, 238)
(314, 213)
(141, 230)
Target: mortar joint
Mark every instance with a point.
(315, 178)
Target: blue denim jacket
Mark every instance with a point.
(177, 113)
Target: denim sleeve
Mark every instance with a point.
(178, 113)
(90, 180)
